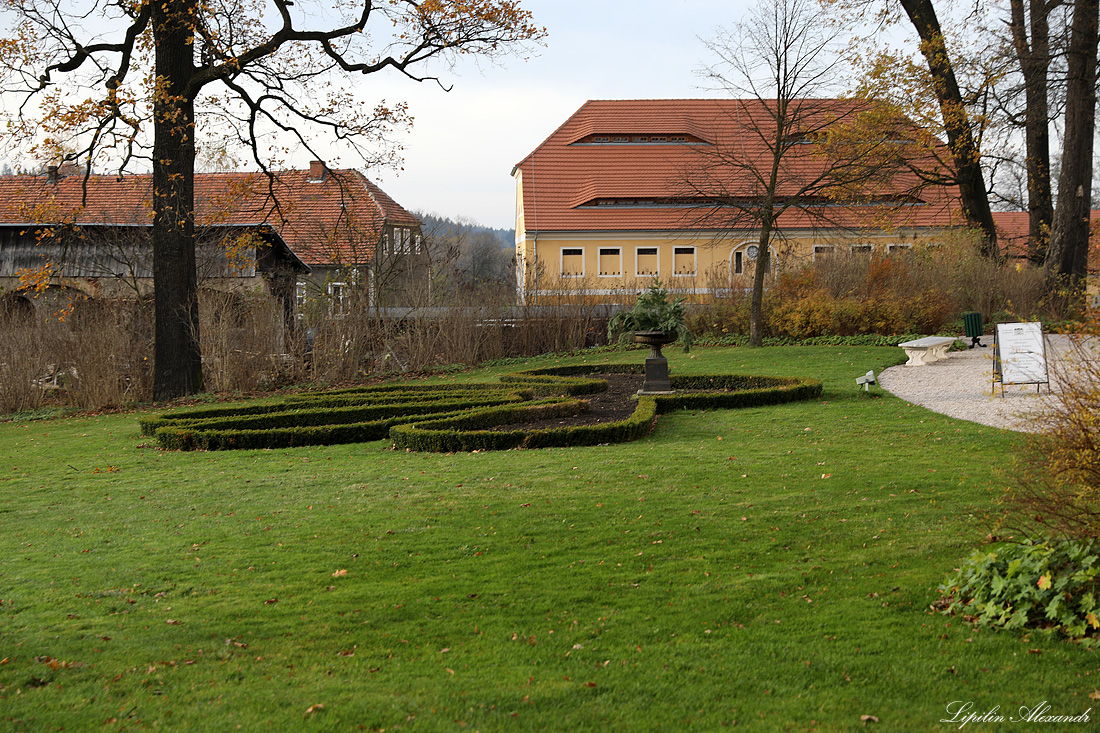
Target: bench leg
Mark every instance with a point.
(917, 357)
(939, 352)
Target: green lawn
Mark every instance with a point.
(769, 567)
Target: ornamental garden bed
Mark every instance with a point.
(560, 406)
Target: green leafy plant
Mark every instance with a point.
(653, 311)
(1051, 585)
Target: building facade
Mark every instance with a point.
(627, 192)
(294, 235)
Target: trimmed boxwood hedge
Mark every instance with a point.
(461, 417)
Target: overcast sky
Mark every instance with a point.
(464, 143)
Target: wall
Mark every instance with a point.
(613, 266)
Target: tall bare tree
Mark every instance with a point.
(100, 77)
(794, 151)
(1029, 25)
(956, 120)
(1067, 254)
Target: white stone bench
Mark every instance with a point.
(927, 350)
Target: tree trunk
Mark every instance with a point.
(1067, 256)
(960, 138)
(756, 308)
(768, 217)
(1033, 56)
(178, 363)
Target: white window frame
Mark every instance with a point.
(561, 262)
(823, 249)
(339, 298)
(861, 249)
(301, 299)
(694, 262)
(638, 255)
(600, 254)
(402, 241)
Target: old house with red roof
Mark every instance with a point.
(294, 234)
(607, 203)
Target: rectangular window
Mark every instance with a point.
(572, 262)
(738, 263)
(823, 250)
(340, 298)
(683, 261)
(611, 262)
(300, 299)
(891, 248)
(403, 243)
(647, 262)
(861, 249)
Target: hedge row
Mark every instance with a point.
(302, 417)
(298, 423)
(188, 438)
(333, 398)
(731, 391)
(460, 417)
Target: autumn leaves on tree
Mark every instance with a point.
(149, 79)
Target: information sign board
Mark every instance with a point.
(1021, 354)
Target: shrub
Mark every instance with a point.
(1053, 586)
(922, 290)
(1056, 481)
(653, 311)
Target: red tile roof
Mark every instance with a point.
(568, 171)
(1012, 235)
(337, 220)
(1012, 232)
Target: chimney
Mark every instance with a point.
(51, 174)
(317, 171)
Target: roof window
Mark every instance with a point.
(648, 139)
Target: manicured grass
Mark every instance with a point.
(770, 567)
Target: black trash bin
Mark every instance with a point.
(972, 322)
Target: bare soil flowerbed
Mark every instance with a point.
(616, 403)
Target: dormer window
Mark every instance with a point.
(647, 139)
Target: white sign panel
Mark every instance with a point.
(1021, 352)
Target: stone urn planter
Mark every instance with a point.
(656, 365)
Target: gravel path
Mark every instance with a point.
(962, 386)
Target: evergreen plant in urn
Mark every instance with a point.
(656, 319)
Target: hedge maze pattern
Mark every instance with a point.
(460, 417)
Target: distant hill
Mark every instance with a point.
(432, 222)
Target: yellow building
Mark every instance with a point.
(629, 191)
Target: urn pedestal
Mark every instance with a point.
(656, 365)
